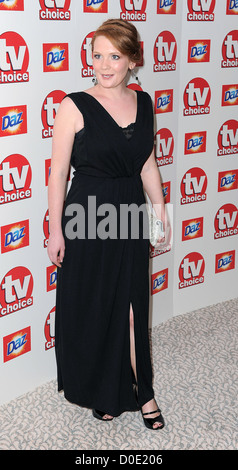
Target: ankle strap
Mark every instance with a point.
(151, 412)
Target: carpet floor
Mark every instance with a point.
(195, 363)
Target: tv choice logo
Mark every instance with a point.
(86, 56)
(230, 50)
(225, 261)
(51, 278)
(228, 138)
(195, 142)
(201, 10)
(11, 5)
(191, 270)
(14, 58)
(232, 7)
(95, 6)
(49, 110)
(55, 57)
(16, 344)
(193, 186)
(199, 50)
(16, 291)
(49, 330)
(226, 221)
(159, 281)
(46, 228)
(15, 179)
(166, 7)
(133, 10)
(227, 180)
(55, 10)
(164, 101)
(230, 95)
(164, 147)
(13, 120)
(197, 96)
(165, 52)
(14, 236)
(192, 228)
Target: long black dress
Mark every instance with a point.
(100, 278)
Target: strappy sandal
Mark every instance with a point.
(149, 422)
(99, 415)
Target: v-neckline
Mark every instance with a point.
(112, 119)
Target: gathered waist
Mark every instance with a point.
(104, 177)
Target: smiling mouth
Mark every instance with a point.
(107, 76)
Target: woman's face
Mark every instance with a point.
(110, 65)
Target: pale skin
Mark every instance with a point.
(111, 68)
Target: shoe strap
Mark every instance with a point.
(151, 412)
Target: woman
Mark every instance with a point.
(106, 133)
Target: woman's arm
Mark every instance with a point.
(152, 184)
(67, 122)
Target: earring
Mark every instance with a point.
(135, 76)
(94, 79)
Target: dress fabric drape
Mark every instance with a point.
(100, 278)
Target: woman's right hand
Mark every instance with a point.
(56, 248)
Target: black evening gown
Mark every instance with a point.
(100, 278)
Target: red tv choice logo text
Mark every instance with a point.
(192, 228)
(232, 7)
(230, 50)
(16, 291)
(191, 270)
(164, 147)
(159, 281)
(201, 10)
(13, 120)
(193, 186)
(15, 236)
(166, 7)
(12, 5)
(49, 330)
(14, 58)
(15, 179)
(133, 10)
(55, 57)
(165, 52)
(95, 6)
(228, 138)
(227, 180)
(195, 142)
(54, 10)
(49, 110)
(197, 96)
(199, 50)
(226, 221)
(86, 56)
(17, 344)
(225, 261)
(46, 228)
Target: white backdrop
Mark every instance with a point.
(190, 70)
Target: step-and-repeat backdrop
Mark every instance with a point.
(189, 67)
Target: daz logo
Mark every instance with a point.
(165, 52)
(232, 7)
(191, 270)
(166, 7)
(228, 138)
(230, 95)
(164, 101)
(16, 344)
(199, 50)
(13, 121)
(14, 5)
(201, 10)
(16, 291)
(55, 57)
(230, 50)
(226, 221)
(15, 236)
(164, 145)
(95, 6)
(225, 261)
(51, 277)
(197, 96)
(192, 228)
(55, 9)
(227, 180)
(133, 10)
(159, 281)
(49, 110)
(195, 142)
(15, 179)
(193, 186)
(50, 330)
(14, 58)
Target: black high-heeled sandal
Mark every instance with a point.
(149, 422)
(99, 415)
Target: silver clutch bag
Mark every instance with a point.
(156, 228)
